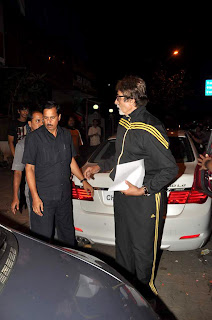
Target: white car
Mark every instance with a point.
(187, 225)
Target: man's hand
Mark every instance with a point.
(201, 161)
(88, 188)
(15, 205)
(90, 171)
(37, 206)
(133, 190)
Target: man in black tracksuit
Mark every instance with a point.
(139, 212)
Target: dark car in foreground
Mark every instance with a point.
(40, 281)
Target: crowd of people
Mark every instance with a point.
(49, 154)
(200, 134)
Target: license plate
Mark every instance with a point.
(108, 197)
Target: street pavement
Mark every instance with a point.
(184, 279)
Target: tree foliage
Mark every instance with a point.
(169, 90)
(23, 87)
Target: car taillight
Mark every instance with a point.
(80, 193)
(186, 196)
(192, 236)
(78, 229)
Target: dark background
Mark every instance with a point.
(112, 39)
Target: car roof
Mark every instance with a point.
(175, 133)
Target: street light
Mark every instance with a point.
(175, 52)
(111, 110)
(95, 107)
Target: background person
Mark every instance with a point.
(201, 137)
(18, 128)
(49, 158)
(94, 134)
(35, 120)
(76, 137)
(139, 212)
(17, 131)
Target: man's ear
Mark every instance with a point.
(132, 101)
(30, 123)
(59, 117)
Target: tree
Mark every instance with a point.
(168, 91)
(23, 87)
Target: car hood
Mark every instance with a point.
(49, 283)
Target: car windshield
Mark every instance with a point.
(180, 147)
(104, 152)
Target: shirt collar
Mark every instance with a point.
(49, 134)
(139, 111)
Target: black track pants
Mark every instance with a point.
(139, 225)
(57, 214)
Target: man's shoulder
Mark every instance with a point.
(38, 132)
(152, 125)
(150, 119)
(12, 127)
(75, 132)
(64, 131)
(19, 151)
(21, 123)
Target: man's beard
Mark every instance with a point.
(120, 111)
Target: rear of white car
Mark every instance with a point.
(187, 224)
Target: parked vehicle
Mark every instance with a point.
(40, 281)
(187, 225)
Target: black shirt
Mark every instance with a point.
(18, 130)
(51, 157)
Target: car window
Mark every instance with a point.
(181, 149)
(8, 255)
(104, 152)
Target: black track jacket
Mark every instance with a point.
(140, 135)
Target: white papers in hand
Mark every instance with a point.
(131, 171)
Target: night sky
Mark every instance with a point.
(127, 38)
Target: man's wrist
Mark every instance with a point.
(146, 192)
(35, 197)
(141, 191)
(206, 163)
(15, 198)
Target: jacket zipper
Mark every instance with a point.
(123, 143)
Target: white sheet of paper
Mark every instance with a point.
(133, 172)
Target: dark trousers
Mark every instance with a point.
(139, 225)
(57, 214)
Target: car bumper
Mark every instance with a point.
(194, 219)
(95, 227)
